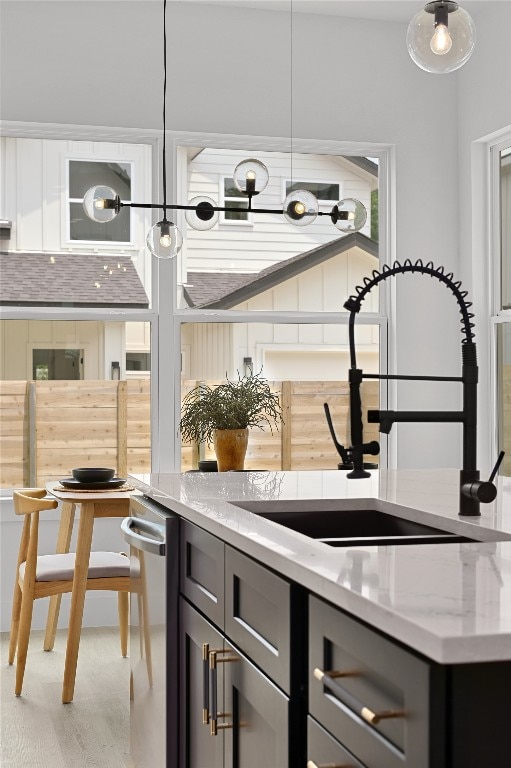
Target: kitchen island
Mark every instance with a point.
(422, 632)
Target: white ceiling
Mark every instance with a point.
(386, 10)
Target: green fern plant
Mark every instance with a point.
(247, 402)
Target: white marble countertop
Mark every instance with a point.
(450, 602)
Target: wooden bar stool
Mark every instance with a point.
(49, 575)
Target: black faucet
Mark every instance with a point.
(473, 491)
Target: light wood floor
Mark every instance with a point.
(38, 731)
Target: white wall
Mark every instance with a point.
(353, 80)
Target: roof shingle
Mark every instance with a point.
(70, 279)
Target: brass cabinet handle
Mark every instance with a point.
(205, 684)
(375, 717)
(319, 674)
(328, 680)
(312, 764)
(214, 715)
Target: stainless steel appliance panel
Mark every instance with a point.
(153, 535)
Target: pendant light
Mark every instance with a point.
(164, 240)
(441, 37)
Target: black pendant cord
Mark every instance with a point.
(164, 165)
(291, 85)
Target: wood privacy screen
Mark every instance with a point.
(49, 427)
(303, 441)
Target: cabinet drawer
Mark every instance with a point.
(202, 571)
(257, 615)
(371, 675)
(323, 749)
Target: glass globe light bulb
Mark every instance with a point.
(441, 37)
(441, 42)
(300, 208)
(101, 203)
(349, 215)
(250, 176)
(164, 240)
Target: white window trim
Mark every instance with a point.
(119, 245)
(323, 203)
(248, 222)
(497, 315)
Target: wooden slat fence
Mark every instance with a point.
(14, 434)
(49, 427)
(303, 441)
(72, 424)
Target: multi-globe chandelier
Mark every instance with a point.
(440, 39)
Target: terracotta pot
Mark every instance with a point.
(230, 448)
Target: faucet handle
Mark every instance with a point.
(496, 467)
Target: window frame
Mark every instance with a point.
(323, 202)
(70, 242)
(497, 315)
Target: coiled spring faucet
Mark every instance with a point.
(473, 491)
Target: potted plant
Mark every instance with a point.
(221, 416)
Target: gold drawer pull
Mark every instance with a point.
(328, 679)
(213, 714)
(205, 684)
(312, 764)
(375, 717)
(319, 674)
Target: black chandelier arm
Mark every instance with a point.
(354, 302)
(176, 207)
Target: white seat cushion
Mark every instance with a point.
(61, 567)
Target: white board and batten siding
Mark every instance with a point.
(101, 342)
(35, 188)
(292, 350)
(267, 238)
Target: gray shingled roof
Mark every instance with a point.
(213, 290)
(204, 287)
(70, 279)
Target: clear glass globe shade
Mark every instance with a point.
(203, 217)
(300, 208)
(433, 54)
(164, 240)
(349, 215)
(101, 203)
(250, 176)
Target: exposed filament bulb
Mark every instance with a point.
(441, 42)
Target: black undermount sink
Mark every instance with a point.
(338, 524)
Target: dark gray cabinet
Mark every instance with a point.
(236, 668)
(198, 749)
(301, 684)
(369, 693)
(324, 750)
